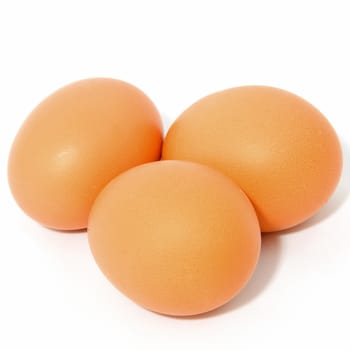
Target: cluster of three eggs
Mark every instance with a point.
(180, 236)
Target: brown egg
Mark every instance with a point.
(75, 142)
(176, 237)
(279, 149)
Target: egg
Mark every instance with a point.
(276, 146)
(176, 237)
(74, 142)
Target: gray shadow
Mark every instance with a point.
(336, 201)
(263, 275)
(82, 230)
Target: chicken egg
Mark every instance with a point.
(74, 142)
(276, 146)
(176, 237)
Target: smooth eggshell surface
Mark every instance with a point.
(278, 148)
(176, 237)
(75, 142)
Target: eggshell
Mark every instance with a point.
(279, 149)
(75, 142)
(176, 237)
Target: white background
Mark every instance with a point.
(52, 295)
